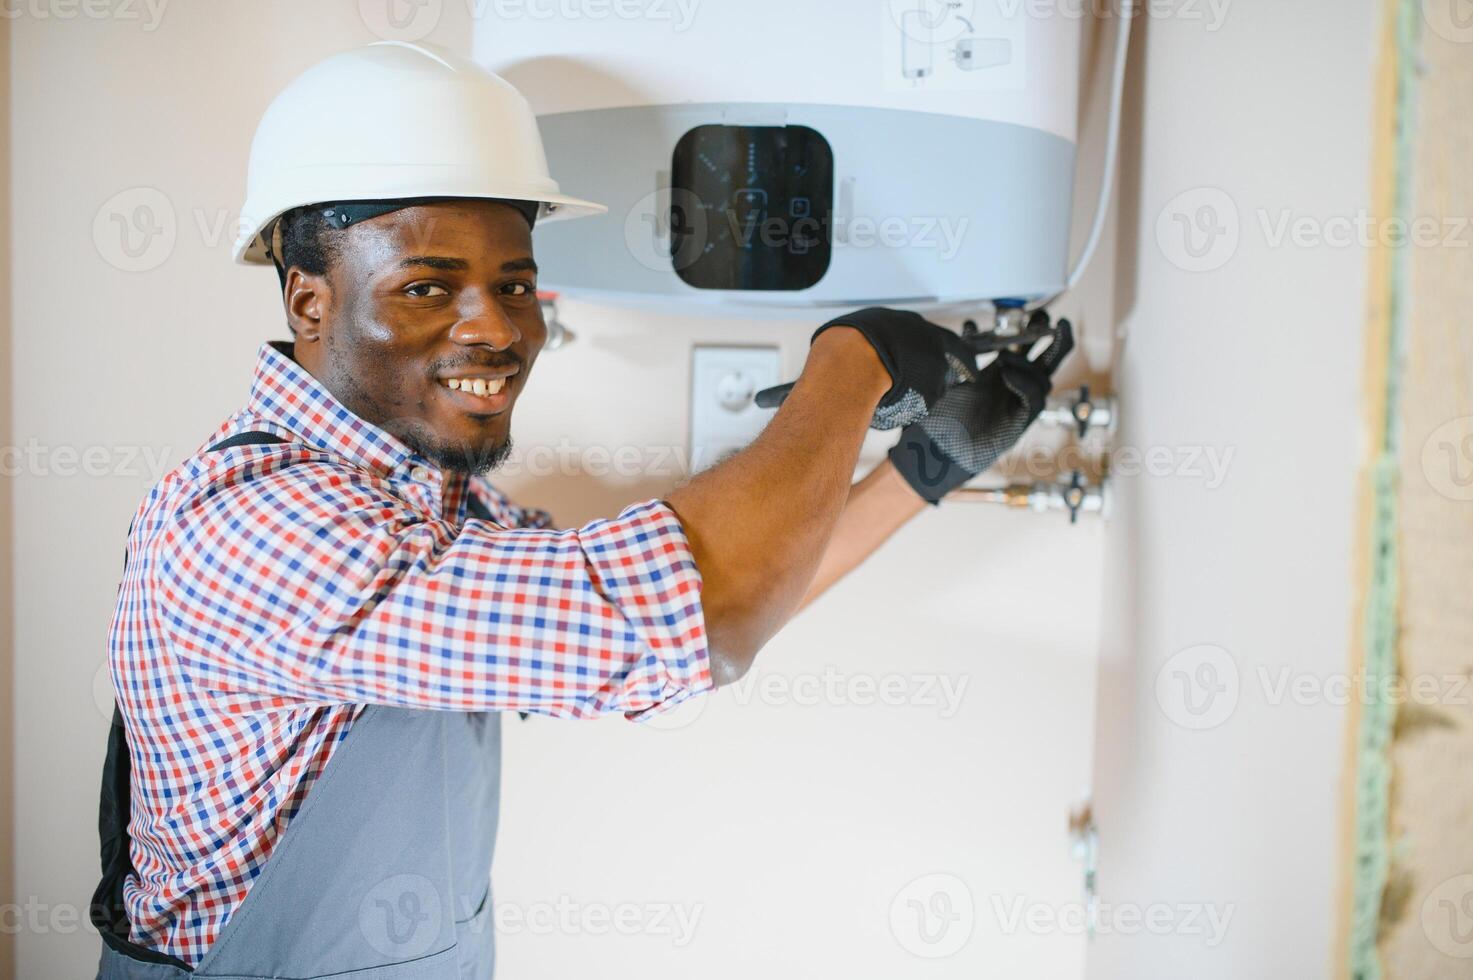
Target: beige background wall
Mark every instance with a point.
(7, 743)
(793, 827)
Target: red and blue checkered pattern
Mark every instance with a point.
(272, 591)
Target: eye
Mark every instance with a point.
(425, 289)
(518, 289)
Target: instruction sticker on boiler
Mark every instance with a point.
(953, 45)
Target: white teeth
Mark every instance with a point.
(476, 386)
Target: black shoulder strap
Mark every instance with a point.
(246, 439)
(108, 913)
(476, 507)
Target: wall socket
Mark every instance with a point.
(723, 417)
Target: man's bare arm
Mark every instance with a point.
(759, 522)
(878, 506)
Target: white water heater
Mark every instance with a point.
(800, 153)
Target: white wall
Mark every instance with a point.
(1259, 355)
(794, 827)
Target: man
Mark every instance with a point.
(323, 610)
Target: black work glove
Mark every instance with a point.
(976, 422)
(921, 357)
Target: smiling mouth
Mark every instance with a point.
(479, 396)
(481, 387)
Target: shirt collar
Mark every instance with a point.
(285, 393)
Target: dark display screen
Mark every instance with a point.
(751, 207)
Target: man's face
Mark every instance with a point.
(419, 299)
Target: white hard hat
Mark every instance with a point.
(395, 121)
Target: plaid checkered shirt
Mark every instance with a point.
(272, 591)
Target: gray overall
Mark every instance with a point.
(384, 872)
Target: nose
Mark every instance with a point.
(484, 323)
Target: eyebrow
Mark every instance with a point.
(444, 263)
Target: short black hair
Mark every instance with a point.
(309, 234)
(308, 240)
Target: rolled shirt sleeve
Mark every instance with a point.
(316, 583)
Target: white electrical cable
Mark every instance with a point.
(1112, 147)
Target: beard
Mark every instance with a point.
(452, 457)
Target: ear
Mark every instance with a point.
(307, 299)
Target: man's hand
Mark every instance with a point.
(974, 423)
(921, 358)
